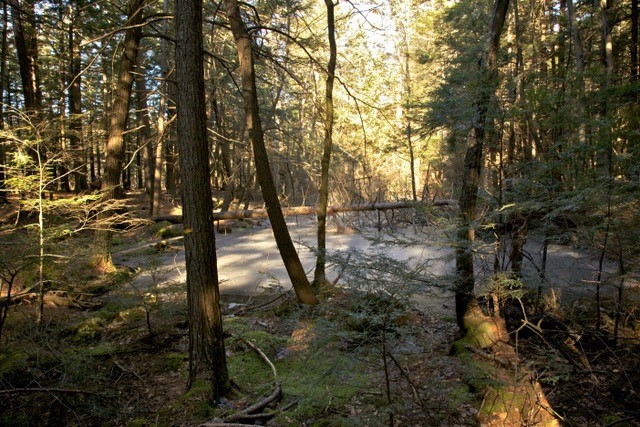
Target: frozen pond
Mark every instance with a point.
(249, 262)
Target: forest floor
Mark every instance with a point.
(374, 352)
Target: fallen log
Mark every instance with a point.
(51, 299)
(311, 210)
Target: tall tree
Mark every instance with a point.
(26, 42)
(473, 160)
(75, 99)
(292, 263)
(323, 201)
(115, 148)
(206, 342)
(3, 79)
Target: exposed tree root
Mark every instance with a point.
(252, 413)
(511, 395)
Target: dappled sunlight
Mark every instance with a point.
(249, 262)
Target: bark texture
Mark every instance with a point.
(115, 148)
(75, 103)
(323, 201)
(287, 250)
(26, 42)
(3, 72)
(465, 280)
(206, 342)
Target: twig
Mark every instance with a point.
(256, 307)
(131, 371)
(505, 363)
(416, 394)
(262, 355)
(342, 270)
(620, 421)
(226, 425)
(262, 416)
(242, 415)
(249, 412)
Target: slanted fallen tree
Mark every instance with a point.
(312, 210)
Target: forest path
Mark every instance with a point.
(249, 262)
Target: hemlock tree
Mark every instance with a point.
(117, 125)
(292, 263)
(465, 280)
(320, 276)
(206, 342)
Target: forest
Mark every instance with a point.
(307, 213)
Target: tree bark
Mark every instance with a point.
(465, 280)
(206, 341)
(172, 172)
(154, 151)
(296, 272)
(320, 274)
(144, 134)
(75, 103)
(117, 125)
(3, 79)
(634, 41)
(26, 42)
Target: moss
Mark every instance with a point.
(334, 422)
(173, 362)
(90, 330)
(270, 344)
(138, 422)
(120, 276)
(155, 228)
(102, 351)
(311, 367)
(322, 376)
(502, 400)
(97, 288)
(12, 362)
(481, 331)
(460, 395)
(108, 312)
(131, 315)
(250, 372)
(170, 230)
(613, 418)
(199, 388)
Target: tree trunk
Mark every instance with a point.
(144, 133)
(115, 140)
(26, 42)
(3, 79)
(75, 104)
(465, 281)
(154, 151)
(172, 171)
(206, 341)
(634, 41)
(320, 275)
(288, 252)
